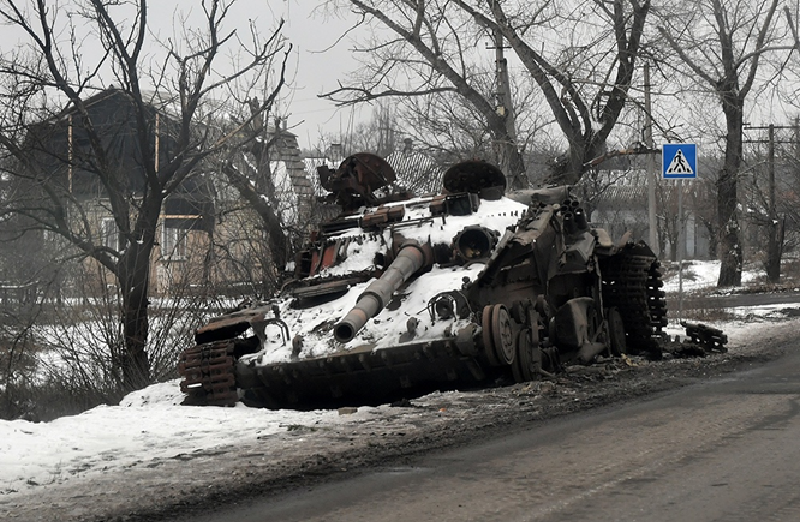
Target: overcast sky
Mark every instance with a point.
(317, 70)
(314, 67)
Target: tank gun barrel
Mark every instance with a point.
(411, 258)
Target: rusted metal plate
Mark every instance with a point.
(328, 256)
(314, 262)
(326, 288)
(231, 320)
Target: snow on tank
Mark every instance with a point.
(470, 237)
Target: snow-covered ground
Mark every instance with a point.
(702, 275)
(698, 275)
(150, 424)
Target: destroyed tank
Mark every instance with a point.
(399, 295)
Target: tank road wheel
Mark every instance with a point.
(528, 362)
(616, 332)
(502, 335)
(488, 345)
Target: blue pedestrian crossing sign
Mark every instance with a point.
(679, 161)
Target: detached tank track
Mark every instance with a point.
(208, 374)
(632, 283)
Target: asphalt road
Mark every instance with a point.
(727, 450)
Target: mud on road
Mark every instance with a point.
(179, 487)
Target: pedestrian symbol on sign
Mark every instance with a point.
(679, 165)
(679, 160)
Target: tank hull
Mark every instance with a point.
(402, 295)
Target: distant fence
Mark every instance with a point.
(18, 294)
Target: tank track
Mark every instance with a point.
(208, 374)
(632, 283)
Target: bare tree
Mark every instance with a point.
(450, 127)
(723, 48)
(429, 50)
(583, 71)
(585, 80)
(771, 193)
(790, 195)
(380, 135)
(54, 72)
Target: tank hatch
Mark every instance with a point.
(475, 176)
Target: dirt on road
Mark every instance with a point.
(306, 455)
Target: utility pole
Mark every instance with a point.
(504, 107)
(651, 160)
(385, 132)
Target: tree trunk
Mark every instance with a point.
(135, 285)
(773, 252)
(209, 262)
(569, 169)
(516, 164)
(713, 238)
(730, 273)
(662, 245)
(673, 249)
(508, 156)
(773, 245)
(273, 221)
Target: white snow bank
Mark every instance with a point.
(148, 425)
(698, 275)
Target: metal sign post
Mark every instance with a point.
(681, 245)
(679, 161)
